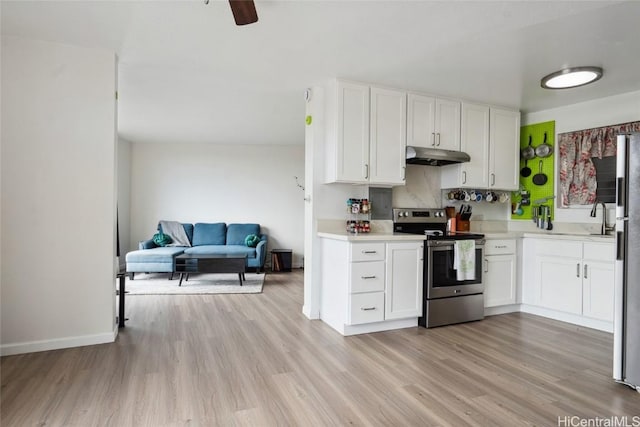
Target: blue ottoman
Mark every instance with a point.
(156, 260)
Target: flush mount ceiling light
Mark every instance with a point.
(571, 77)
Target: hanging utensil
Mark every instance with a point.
(526, 170)
(540, 178)
(528, 152)
(544, 150)
(549, 224)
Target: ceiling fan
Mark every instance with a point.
(244, 11)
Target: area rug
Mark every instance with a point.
(159, 284)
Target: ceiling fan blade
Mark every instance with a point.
(244, 11)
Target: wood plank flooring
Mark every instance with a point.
(256, 360)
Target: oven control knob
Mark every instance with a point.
(404, 214)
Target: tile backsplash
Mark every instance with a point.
(422, 189)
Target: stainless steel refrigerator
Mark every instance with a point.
(626, 338)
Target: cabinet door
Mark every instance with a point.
(447, 124)
(421, 114)
(559, 283)
(352, 140)
(499, 280)
(504, 149)
(598, 283)
(475, 142)
(403, 293)
(388, 136)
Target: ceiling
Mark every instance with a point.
(187, 73)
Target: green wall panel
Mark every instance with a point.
(536, 131)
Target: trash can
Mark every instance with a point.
(281, 259)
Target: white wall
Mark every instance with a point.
(58, 196)
(124, 197)
(219, 183)
(591, 114)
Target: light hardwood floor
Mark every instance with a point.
(256, 360)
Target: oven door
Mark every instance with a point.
(440, 277)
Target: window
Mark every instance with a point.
(606, 178)
(588, 164)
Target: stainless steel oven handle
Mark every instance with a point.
(449, 247)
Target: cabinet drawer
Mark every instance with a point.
(599, 251)
(562, 248)
(366, 308)
(367, 252)
(500, 247)
(367, 276)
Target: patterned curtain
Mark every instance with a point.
(577, 173)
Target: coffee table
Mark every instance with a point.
(201, 263)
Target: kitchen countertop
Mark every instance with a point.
(368, 237)
(549, 235)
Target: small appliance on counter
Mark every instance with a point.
(452, 292)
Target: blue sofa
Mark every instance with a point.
(205, 238)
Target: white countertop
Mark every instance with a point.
(549, 235)
(368, 237)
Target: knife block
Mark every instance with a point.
(461, 224)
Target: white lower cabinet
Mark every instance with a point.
(499, 274)
(366, 308)
(403, 294)
(559, 283)
(371, 286)
(597, 288)
(572, 277)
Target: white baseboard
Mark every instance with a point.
(58, 343)
(600, 325)
(503, 309)
(387, 325)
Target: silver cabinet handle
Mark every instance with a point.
(501, 246)
(369, 252)
(464, 177)
(367, 308)
(584, 272)
(493, 179)
(367, 277)
(486, 265)
(404, 173)
(578, 270)
(438, 144)
(434, 139)
(366, 173)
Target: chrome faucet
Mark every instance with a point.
(605, 227)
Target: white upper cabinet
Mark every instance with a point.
(475, 142)
(504, 149)
(387, 149)
(348, 112)
(433, 122)
(491, 138)
(366, 134)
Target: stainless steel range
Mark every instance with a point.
(449, 298)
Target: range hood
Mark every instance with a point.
(434, 156)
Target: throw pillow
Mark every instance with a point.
(251, 240)
(161, 239)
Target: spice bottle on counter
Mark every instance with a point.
(365, 206)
